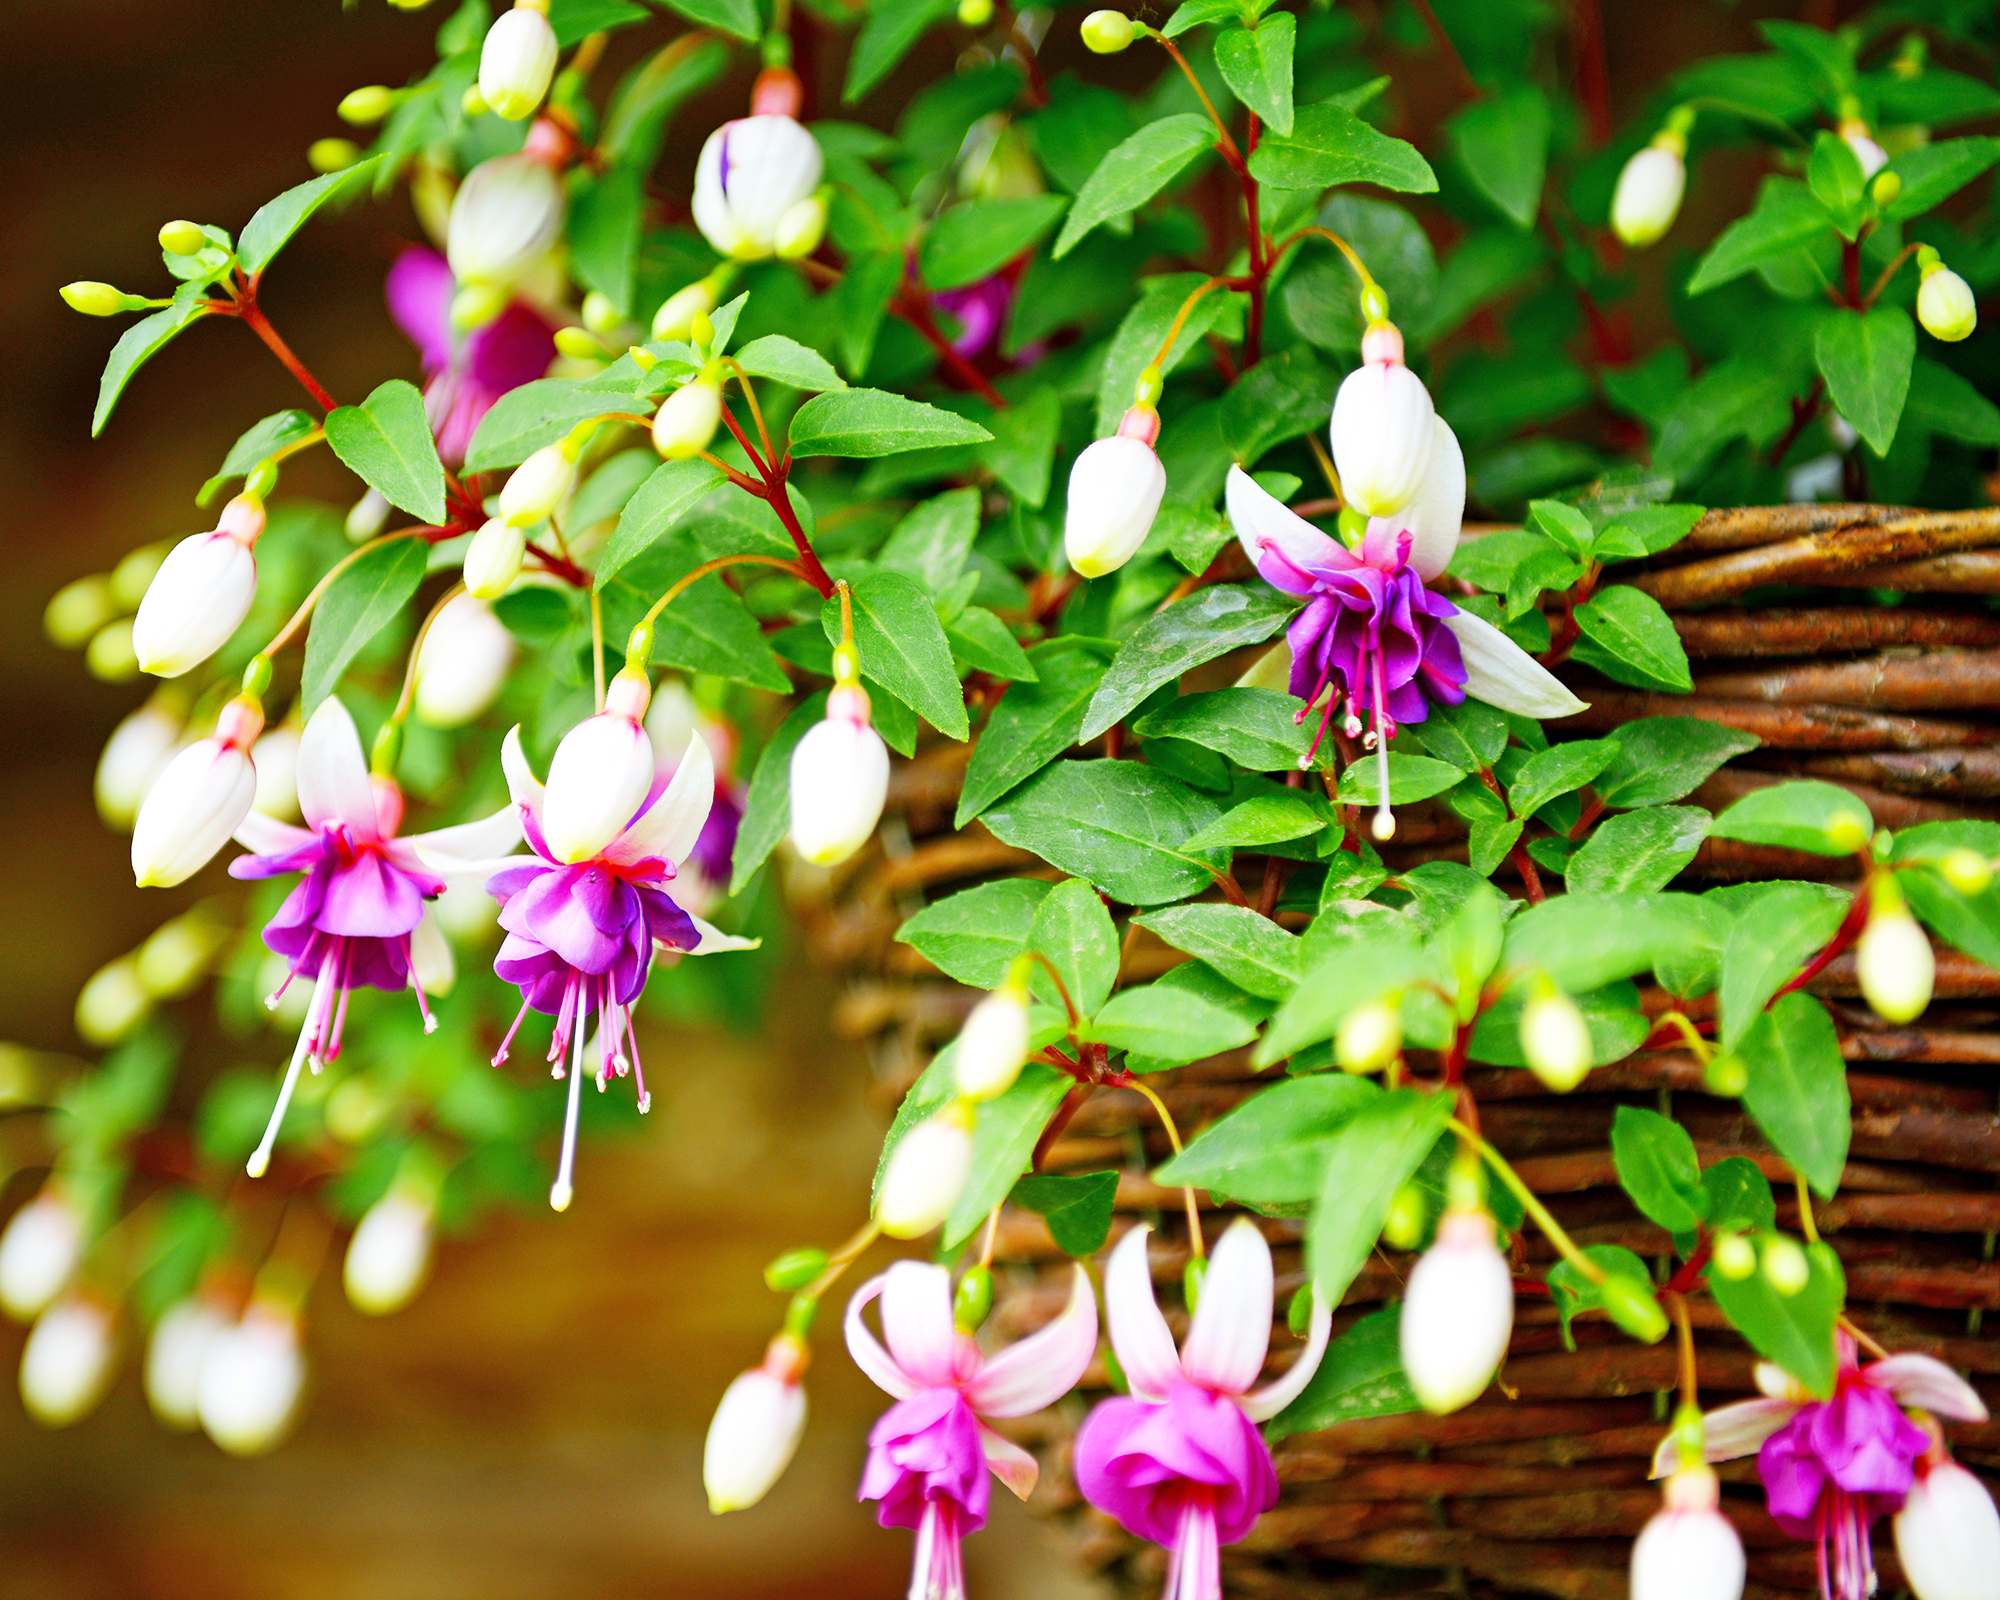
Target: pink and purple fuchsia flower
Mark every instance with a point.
(356, 919)
(1181, 1462)
(929, 1454)
(1833, 1468)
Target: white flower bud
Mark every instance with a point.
(1458, 1311)
(389, 1254)
(1556, 1040)
(993, 1044)
(537, 486)
(1948, 1535)
(1369, 1036)
(840, 779)
(190, 812)
(1115, 489)
(198, 598)
(39, 1253)
(675, 318)
(517, 61)
(1872, 156)
(927, 1173)
(111, 1003)
(252, 1375)
(1648, 196)
(66, 1363)
(504, 218)
(276, 758)
(756, 1430)
(601, 774)
(1945, 305)
(1896, 966)
(136, 753)
(1688, 1551)
(174, 1356)
(463, 663)
(751, 173)
(493, 559)
(1785, 1266)
(367, 517)
(1383, 429)
(687, 420)
(800, 229)
(1107, 32)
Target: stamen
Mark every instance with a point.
(423, 1005)
(260, 1158)
(1384, 825)
(520, 1017)
(563, 1190)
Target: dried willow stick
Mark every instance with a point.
(1830, 630)
(1820, 728)
(1968, 572)
(1952, 773)
(1816, 557)
(1940, 680)
(1743, 527)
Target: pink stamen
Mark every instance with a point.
(520, 1017)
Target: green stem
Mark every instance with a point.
(1534, 1207)
(283, 636)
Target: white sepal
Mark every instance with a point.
(1115, 489)
(39, 1253)
(252, 1375)
(1648, 196)
(1458, 1311)
(275, 755)
(190, 812)
(464, 661)
(599, 778)
(516, 63)
(687, 419)
(1948, 1536)
(1501, 673)
(1435, 515)
(839, 781)
(197, 599)
(1382, 433)
(752, 1439)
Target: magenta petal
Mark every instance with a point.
(419, 290)
(516, 347)
(923, 1449)
(1793, 1476)
(1134, 1461)
(1865, 1442)
(370, 899)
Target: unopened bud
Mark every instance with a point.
(1458, 1311)
(364, 106)
(493, 559)
(77, 610)
(1107, 32)
(1115, 489)
(183, 239)
(111, 1003)
(802, 225)
(1735, 1257)
(252, 1374)
(927, 1172)
(975, 13)
(993, 1044)
(839, 781)
(1967, 871)
(1403, 1227)
(39, 1253)
(675, 318)
(1369, 1037)
(464, 661)
(332, 155)
(1631, 1305)
(972, 1302)
(794, 1270)
(66, 1364)
(1727, 1075)
(1785, 1265)
(537, 486)
(1948, 1533)
(109, 657)
(136, 753)
(1895, 964)
(196, 803)
(1382, 431)
(687, 419)
(176, 955)
(1688, 1550)
(200, 595)
(99, 299)
(580, 344)
(389, 1254)
(1945, 305)
(1886, 187)
(1555, 1039)
(505, 216)
(517, 61)
(756, 1429)
(1648, 196)
(174, 1354)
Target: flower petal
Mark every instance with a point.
(1260, 1405)
(333, 774)
(669, 827)
(1729, 1432)
(1927, 1384)
(1011, 1464)
(1138, 1331)
(1434, 518)
(714, 939)
(916, 1320)
(1501, 673)
(1231, 1330)
(1040, 1369)
(1286, 550)
(471, 846)
(266, 836)
(875, 1363)
(522, 783)
(432, 964)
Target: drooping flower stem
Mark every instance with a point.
(1677, 1308)
(300, 617)
(1806, 1224)
(689, 579)
(840, 1261)
(1534, 1207)
(1230, 152)
(597, 643)
(756, 411)
(409, 694)
(1316, 231)
(1159, 361)
(1027, 958)
(1195, 1242)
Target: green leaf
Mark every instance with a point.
(137, 345)
(386, 441)
(1657, 1165)
(1778, 925)
(1077, 1209)
(984, 642)
(1368, 1158)
(1502, 141)
(1024, 445)
(1075, 932)
(1355, 973)
(1117, 823)
(670, 492)
(264, 440)
(1795, 1332)
(1168, 1025)
(605, 217)
(1329, 144)
(1932, 173)
(885, 38)
(1561, 769)
(1262, 819)
(977, 238)
(1819, 818)
(1653, 528)
(1664, 758)
(1637, 637)
(1575, 1294)
(975, 935)
(1735, 1194)
(1936, 96)
(1411, 778)
(1967, 922)
(788, 361)
(1641, 850)
(1469, 735)
(1251, 951)
(575, 20)
(1943, 402)
(1218, 619)
(707, 629)
(738, 17)
(934, 539)
(1361, 1375)
(1252, 727)
(274, 223)
(1271, 1150)
(1798, 1088)
(1144, 329)
(356, 606)
(635, 122)
(873, 422)
(1741, 397)
(1193, 13)
(524, 419)
(1033, 724)
(1833, 173)
(1865, 358)
(1785, 217)
(1257, 66)
(1003, 1142)
(1136, 170)
(1584, 941)
(767, 806)
(903, 647)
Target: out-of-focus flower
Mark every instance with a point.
(754, 187)
(464, 662)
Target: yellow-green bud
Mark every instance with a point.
(1945, 305)
(580, 344)
(183, 239)
(1193, 1276)
(1630, 1303)
(794, 1270)
(701, 331)
(1556, 1041)
(1353, 527)
(332, 155)
(1403, 1227)
(363, 106)
(1149, 388)
(973, 1301)
(1785, 1266)
(134, 573)
(77, 610)
(112, 1003)
(1967, 871)
(1847, 832)
(174, 957)
(477, 304)
(675, 318)
(975, 13)
(473, 103)
(1735, 1257)
(1885, 188)
(1369, 1036)
(1107, 32)
(1374, 302)
(599, 314)
(98, 299)
(109, 656)
(1727, 1075)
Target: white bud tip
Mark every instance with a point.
(1384, 825)
(560, 1195)
(258, 1164)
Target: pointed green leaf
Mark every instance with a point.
(788, 361)
(1134, 172)
(670, 492)
(902, 646)
(1033, 724)
(1368, 1158)
(1251, 951)
(1798, 1088)
(873, 422)
(1117, 823)
(1077, 1209)
(138, 344)
(1785, 217)
(1329, 144)
(975, 935)
(1257, 66)
(1502, 141)
(386, 441)
(1075, 932)
(267, 232)
(356, 606)
(1219, 619)
(1637, 639)
(977, 238)
(1865, 358)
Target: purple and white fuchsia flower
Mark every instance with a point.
(582, 929)
(1181, 1462)
(929, 1454)
(754, 189)
(1833, 1468)
(356, 919)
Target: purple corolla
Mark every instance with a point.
(1181, 1462)
(356, 919)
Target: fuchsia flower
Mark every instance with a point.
(1832, 1468)
(929, 1454)
(1181, 1462)
(356, 919)
(462, 377)
(980, 308)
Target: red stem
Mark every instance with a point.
(1850, 270)
(917, 314)
(1260, 261)
(781, 502)
(749, 449)
(1071, 1105)
(1525, 865)
(259, 324)
(1843, 936)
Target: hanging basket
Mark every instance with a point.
(1539, 1487)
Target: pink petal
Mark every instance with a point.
(522, 783)
(267, 836)
(1138, 1331)
(1729, 1432)
(1260, 1405)
(1927, 1384)
(1042, 1368)
(668, 828)
(333, 774)
(1286, 549)
(874, 1362)
(916, 1320)
(1232, 1323)
(1011, 1464)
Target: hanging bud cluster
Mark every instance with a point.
(1648, 196)
(1945, 305)
(1893, 955)
(1115, 488)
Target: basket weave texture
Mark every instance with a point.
(1539, 1487)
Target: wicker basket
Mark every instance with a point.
(1540, 1486)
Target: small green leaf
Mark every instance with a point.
(1215, 621)
(138, 344)
(1637, 639)
(1657, 1165)
(1022, 453)
(670, 492)
(1263, 819)
(1796, 1331)
(259, 443)
(1735, 1194)
(1255, 728)
(1932, 173)
(386, 441)
(1584, 941)
(1785, 217)
(1075, 932)
(1411, 778)
(1251, 951)
(1368, 1158)
(1798, 1088)
(767, 807)
(1361, 1375)
(1117, 823)
(1502, 141)
(903, 647)
(977, 238)
(268, 231)
(1136, 170)
(975, 935)
(1778, 925)
(983, 641)
(1257, 66)
(1271, 1150)
(1943, 402)
(885, 38)
(356, 606)
(1077, 1209)
(1833, 173)
(1575, 1294)
(1168, 1025)
(1033, 724)
(1664, 758)
(1329, 144)
(1641, 850)
(1559, 770)
(605, 216)
(1865, 358)
(1820, 818)
(873, 422)
(788, 361)
(1356, 972)
(738, 17)
(524, 419)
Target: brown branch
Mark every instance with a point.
(1831, 630)
(1819, 557)
(1819, 728)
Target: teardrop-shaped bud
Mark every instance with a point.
(993, 1044)
(136, 753)
(756, 1429)
(200, 595)
(252, 1375)
(839, 781)
(1896, 966)
(1688, 1551)
(685, 424)
(517, 61)
(1555, 1039)
(39, 1253)
(174, 1354)
(1458, 1311)
(1383, 428)
(1115, 489)
(193, 807)
(389, 1254)
(599, 778)
(504, 218)
(927, 1172)
(1948, 1535)
(1946, 306)
(66, 1364)
(464, 662)
(537, 486)
(1648, 196)
(750, 174)
(493, 559)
